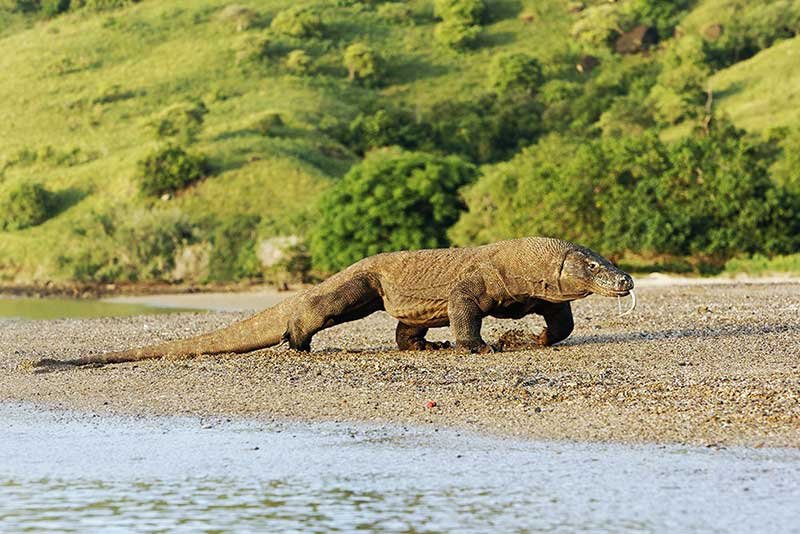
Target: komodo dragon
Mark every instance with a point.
(422, 289)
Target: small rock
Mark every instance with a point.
(431, 404)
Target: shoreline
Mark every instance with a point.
(84, 290)
(711, 365)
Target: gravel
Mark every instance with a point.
(703, 364)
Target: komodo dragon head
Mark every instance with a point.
(584, 272)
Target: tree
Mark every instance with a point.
(514, 73)
(680, 90)
(469, 12)
(298, 21)
(393, 200)
(362, 63)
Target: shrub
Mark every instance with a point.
(149, 242)
(362, 63)
(484, 130)
(24, 204)
(51, 8)
(233, 251)
(101, 5)
(385, 127)
(128, 245)
(169, 169)
(468, 12)
(680, 90)
(397, 12)
(456, 34)
(547, 189)
(754, 26)
(597, 25)
(298, 21)
(663, 16)
(252, 49)
(393, 200)
(707, 196)
(785, 172)
(514, 73)
(299, 62)
(714, 199)
(268, 123)
(180, 122)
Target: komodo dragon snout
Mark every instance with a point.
(585, 272)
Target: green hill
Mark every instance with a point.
(81, 90)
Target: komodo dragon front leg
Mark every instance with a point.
(466, 308)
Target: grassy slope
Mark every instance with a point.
(160, 53)
(761, 92)
(157, 53)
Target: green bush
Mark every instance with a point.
(148, 242)
(547, 189)
(754, 27)
(362, 63)
(233, 252)
(707, 196)
(250, 49)
(385, 127)
(101, 5)
(456, 34)
(128, 245)
(298, 21)
(514, 73)
(714, 200)
(396, 12)
(484, 130)
(51, 8)
(269, 123)
(181, 122)
(680, 90)
(169, 169)
(663, 16)
(393, 200)
(299, 62)
(785, 172)
(468, 12)
(24, 204)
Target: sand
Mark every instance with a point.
(710, 364)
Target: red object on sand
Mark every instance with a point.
(430, 404)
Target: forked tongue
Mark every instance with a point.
(629, 310)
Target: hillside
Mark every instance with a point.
(84, 86)
(82, 90)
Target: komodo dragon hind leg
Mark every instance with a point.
(558, 317)
(333, 304)
(413, 338)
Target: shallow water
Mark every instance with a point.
(62, 308)
(66, 471)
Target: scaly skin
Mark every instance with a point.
(421, 289)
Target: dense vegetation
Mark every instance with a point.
(211, 140)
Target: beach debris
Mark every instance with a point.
(431, 404)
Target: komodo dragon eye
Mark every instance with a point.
(593, 265)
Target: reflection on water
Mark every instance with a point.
(67, 471)
(59, 308)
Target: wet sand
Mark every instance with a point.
(710, 364)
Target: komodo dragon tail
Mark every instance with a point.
(262, 330)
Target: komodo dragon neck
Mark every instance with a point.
(531, 267)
